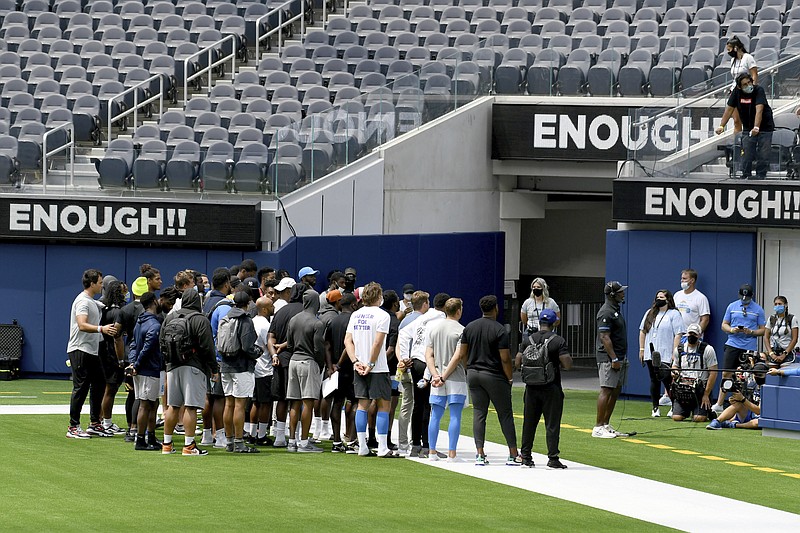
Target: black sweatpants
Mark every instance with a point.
(655, 383)
(87, 378)
(485, 387)
(421, 414)
(547, 400)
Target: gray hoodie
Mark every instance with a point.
(305, 335)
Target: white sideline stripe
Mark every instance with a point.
(48, 409)
(607, 490)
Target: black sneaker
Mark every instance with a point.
(180, 430)
(352, 448)
(338, 447)
(555, 463)
(392, 446)
(266, 440)
(527, 462)
(97, 430)
(250, 439)
(372, 444)
(141, 445)
(129, 437)
(153, 441)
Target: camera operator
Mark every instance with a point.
(694, 370)
(745, 400)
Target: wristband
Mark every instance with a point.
(99, 329)
(614, 361)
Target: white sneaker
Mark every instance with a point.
(656, 413)
(325, 435)
(717, 408)
(402, 450)
(208, 440)
(611, 429)
(455, 460)
(600, 432)
(665, 400)
(221, 442)
(670, 413)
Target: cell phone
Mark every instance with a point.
(740, 327)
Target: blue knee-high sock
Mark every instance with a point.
(454, 428)
(437, 411)
(382, 423)
(361, 421)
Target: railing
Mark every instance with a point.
(222, 60)
(579, 328)
(68, 126)
(136, 104)
(280, 26)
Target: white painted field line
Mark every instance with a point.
(61, 409)
(624, 494)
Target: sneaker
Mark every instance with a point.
(141, 445)
(728, 424)
(77, 432)
(392, 446)
(207, 440)
(160, 423)
(129, 437)
(292, 448)
(424, 452)
(717, 409)
(229, 447)
(179, 430)
(403, 450)
(266, 440)
(167, 449)
(715, 424)
(250, 439)
(351, 449)
(664, 400)
(656, 413)
(154, 442)
(669, 415)
(309, 448)
(481, 460)
(192, 449)
(372, 444)
(514, 461)
(221, 443)
(246, 449)
(528, 462)
(611, 429)
(600, 432)
(338, 447)
(115, 429)
(435, 455)
(455, 460)
(556, 464)
(97, 430)
(279, 444)
(415, 451)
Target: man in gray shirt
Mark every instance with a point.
(306, 343)
(85, 334)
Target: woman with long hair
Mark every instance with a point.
(660, 331)
(112, 351)
(780, 336)
(741, 63)
(538, 301)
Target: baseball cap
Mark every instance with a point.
(139, 286)
(357, 293)
(548, 316)
(349, 270)
(251, 283)
(408, 287)
(694, 328)
(613, 287)
(307, 271)
(333, 296)
(746, 290)
(285, 283)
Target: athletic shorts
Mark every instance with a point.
(345, 391)
(695, 409)
(215, 388)
(373, 386)
(147, 388)
(262, 393)
(731, 357)
(395, 387)
(112, 371)
(186, 385)
(444, 401)
(612, 378)
(305, 380)
(747, 418)
(238, 384)
(280, 380)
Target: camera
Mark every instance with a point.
(750, 364)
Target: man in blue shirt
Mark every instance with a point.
(744, 322)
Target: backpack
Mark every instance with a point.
(175, 341)
(537, 369)
(224, 301)
(228, 343)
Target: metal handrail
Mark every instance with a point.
(69, 126)
(281, 24)
(208, 50)
(706, 94)
(136, 103)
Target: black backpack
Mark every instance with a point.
(537, 369)
(176, 342)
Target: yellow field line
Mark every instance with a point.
(661, 446)
(636, 441)
(686, 452)
(739, 463)
(768, 469)
(712, 458)
(9, 392)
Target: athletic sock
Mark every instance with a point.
(316, 426)
(238, 443)
(292, 442)
(362, 442)
(262, 430)
(382, 429)
(248, 427)
(221, 436)
(187, 440)
(207, 435)
(304, 443)
(280, 431)
(167, 439)
(361, 430)
(326, 426)
(107, 422)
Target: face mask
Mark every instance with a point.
(746, 300)
(537, 292)
(780, 309)
(661, 303)
(692, 339)
(684, 285)
(380, 304)
(733, 53)
(408, 295)
(127, 296)
(748, 89)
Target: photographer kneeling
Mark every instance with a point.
(694, 370)
(745, 400)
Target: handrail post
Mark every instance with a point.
(70, 144)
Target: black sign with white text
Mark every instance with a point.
(744, 203)
(132, 222)
(600, 133)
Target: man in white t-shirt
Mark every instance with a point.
(261, 412)
(692, 303)
(366, 348)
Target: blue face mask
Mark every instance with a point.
(748, 89)
(780, 309)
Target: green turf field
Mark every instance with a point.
(52, 482)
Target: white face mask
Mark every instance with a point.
(684, 285)
(380, 304)
(408, 295)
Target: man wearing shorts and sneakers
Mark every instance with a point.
(261, 413)
(187, 371)
(365, 345)
(146, 364)
(612, 366)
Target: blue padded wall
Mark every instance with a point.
(648, 261)
(40, 282)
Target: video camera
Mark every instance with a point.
(750, 364)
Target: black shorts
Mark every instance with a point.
(280, 382)
(214, 388)
(694, 409)
(262, 393)
(345, 390)
(373, 386)
(112, 370)
(731, 357)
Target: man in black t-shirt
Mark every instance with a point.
(484, 345)
(548, 399)
(612, 343)
(344, 395)
(750, 101)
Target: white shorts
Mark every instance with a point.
(147, 388)
(238, 384)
